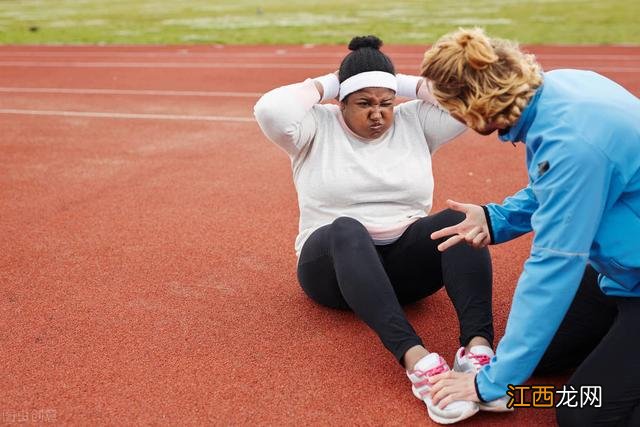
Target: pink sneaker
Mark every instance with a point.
(472, 361)
(430, 365)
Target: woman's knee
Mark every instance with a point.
(346, 230)
(348, 224)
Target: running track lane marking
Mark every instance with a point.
(286, 53)
(115, 115)
(100, 64)
(128, 92)
(230, 65)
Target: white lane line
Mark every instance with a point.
(194, 65)
(188, 55)
(116, 115)
(128, 92)
(280, 53)
(99, 64)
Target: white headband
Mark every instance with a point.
(368, 79)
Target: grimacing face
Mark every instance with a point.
(369, 112)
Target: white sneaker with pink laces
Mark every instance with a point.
(472, 361)
(430, 365)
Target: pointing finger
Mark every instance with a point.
(450, 242)
(444, 232)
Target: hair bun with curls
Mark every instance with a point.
(477, 48)
(365, 56)
(360, 42)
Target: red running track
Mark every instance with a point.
(147, 268)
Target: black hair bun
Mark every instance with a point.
(365, 41)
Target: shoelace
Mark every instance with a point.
(442, 367)
(423, 377)
(479, 359)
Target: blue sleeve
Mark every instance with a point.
(513, 217)
(571, 197)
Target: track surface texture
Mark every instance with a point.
(147, 268)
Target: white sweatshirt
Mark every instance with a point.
(385, 183)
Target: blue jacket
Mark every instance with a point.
(582, 135)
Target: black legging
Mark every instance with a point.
(340, 267)
(600, 336)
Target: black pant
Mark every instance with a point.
(599, 336)
(340, 267)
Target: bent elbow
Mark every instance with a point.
(261, 110)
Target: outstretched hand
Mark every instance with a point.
(474, 230)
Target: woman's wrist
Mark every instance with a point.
(330, 86)
(408, 85)
(487, 218)
(475, 384)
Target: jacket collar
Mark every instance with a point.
(518, 131)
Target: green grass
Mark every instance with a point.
(299, 21)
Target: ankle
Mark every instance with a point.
(477, 341)
(413, 355)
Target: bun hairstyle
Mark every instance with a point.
(365, 56)
(365, 41)
(482, 80)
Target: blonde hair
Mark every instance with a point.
(482, 80)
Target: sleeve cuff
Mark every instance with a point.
(330, 86)
(487, 218)
(475, 383)
(407, 85)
